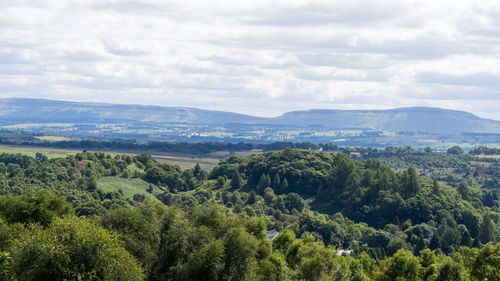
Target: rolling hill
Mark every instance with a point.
(410, 119)
(16, 110)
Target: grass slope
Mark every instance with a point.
(31, 151)
(129, 186)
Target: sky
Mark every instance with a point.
(256, 57)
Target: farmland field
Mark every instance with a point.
(184, 161)
(53, 138)
(31, 151)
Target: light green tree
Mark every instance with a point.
(72, 248)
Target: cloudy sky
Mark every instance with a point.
(256, 57)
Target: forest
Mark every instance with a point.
(289, 214)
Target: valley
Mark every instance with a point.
(418, 127)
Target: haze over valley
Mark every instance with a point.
(412, 126)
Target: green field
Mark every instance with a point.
(53, 138)
(184, 161)
(129, 186)
(31, 151)
(187, 162)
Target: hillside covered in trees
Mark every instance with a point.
(93, 216)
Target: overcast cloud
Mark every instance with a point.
(257, 57)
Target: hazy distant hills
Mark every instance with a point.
(43, 111)
(411, 119)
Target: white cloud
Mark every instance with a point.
(259, 57)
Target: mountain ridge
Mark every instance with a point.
(412, 119)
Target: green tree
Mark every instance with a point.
(294, 201)
(3, 168)
(455, 150)
(411, 182)
(449, 237)
(485, 263)
(221, 182)
(11, 167)
(435, 187)
(283, 241)
(463, 190)
(403, 266)
(284, 186)
(264, 182)
(312, 268)
(139, 228)
(41, 207)
(114, 171)
(4, 264)
(486, 230)
(204, 265)
(72, 248)
(125, 174)
(273, 268)
(236, 181)
(196, 169)
(269, 196)
(451, 271)
(41, 157)
(252, 197)
(276, 181)
(240, 249)
(199, 173)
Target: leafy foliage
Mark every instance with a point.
(71, 249)
(213, 226)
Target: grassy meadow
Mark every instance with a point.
(129, 186)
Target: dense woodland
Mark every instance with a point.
(337, 218)
(479, 167)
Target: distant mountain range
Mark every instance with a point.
(409, 119)
(45, 111)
